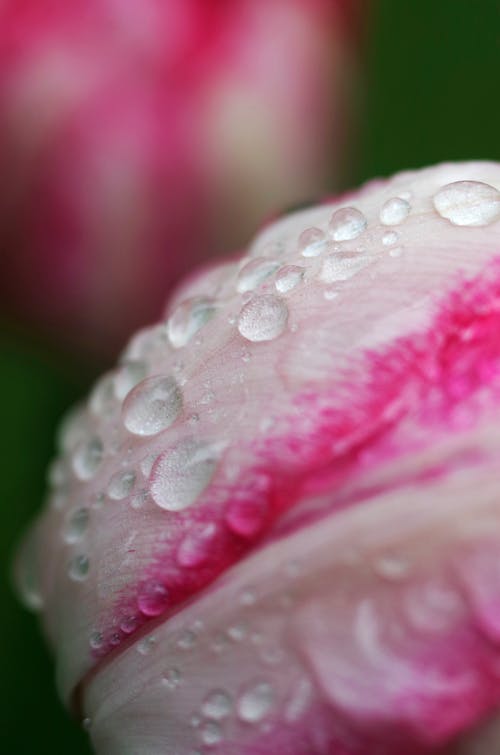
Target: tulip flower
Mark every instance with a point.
(274, 526)
(141, 137)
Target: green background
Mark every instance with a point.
(431, 94)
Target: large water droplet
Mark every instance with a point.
(78, 568)
(182, 473)
(312, 242)
(188, 318)
(394, 211)
(255, 702)
(121, 484)
(76, 525)
(347, 223)
(196, 546)
(129, 374)
(217, 705)
(341, 266)
(87, 457)
(469, 203)
(152, 598)
(254, 273)
(152, 406)
(288, 278)
(263, 318)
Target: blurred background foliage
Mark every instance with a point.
(430, 94)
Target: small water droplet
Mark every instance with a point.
(182, 473)
(152, 406)
(152, 598)
(347, 223)
(129, 374)
(171, 678)
(102, 401)
(78, 568)
(217, 705)
(237, 632)
(139, 499)
(263, 318)
(76, 525)
(129, 624)
(86, 723)
(246, 515)
(96, 640)
(27, 573)
(255, 702)
(211, 733)
(87, 457)
(299, 700)
(187, 640)
(146, 645)
(196, 546)
(188, 318)
(312, 242)
(288, 277)
(254, 273)
(57, 475)
(247, 598)
(121, 485)
(396, 251)
(468, 203)
(394, 211)
(392, 567)
(389, 238)
(341, 266)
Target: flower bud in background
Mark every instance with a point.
(140, 137)
(274, 527)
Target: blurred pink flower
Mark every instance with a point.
(274, 527)
(138, 137)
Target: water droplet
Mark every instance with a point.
(129, 374)
(147, 464)
(188, 318)
(102, 401)
(196, 547)
(139, 499)
(247, 598)
(288, 277)
(341, 266)
(347, 223)
(389, 238)
(246, 515)
(146, 645)
(254, 273)
(152, 598)
(312, 242)
(78, 568)
(299, 700)
(394, 211)
(469, 203)
(263, 318)
(87, 458)
(211, 733)
(187, 640)
(76, 525)
(115, 639)
(396, 251)
(255, 702)
(182, 473)
(217, 705)
(86, 723)
(57, 475)
(27, 573)
(237, 632)
(392, 567)
(120, 485)
(129, 624)
(171, 678)
(152, 406)
(96, 640)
